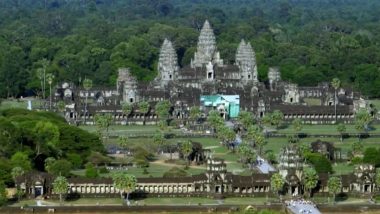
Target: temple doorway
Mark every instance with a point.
(367, 188)
(219, 189)
(38, 191)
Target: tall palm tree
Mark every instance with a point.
(50, 79)
(87, 85)
(335, 84)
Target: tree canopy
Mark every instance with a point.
(311, 41)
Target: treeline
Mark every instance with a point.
(312, 41)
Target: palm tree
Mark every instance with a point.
(87, 85)
(195, 113)
(127, 109)
(310, 179)
(50, 79)
(245, 118)
(335, 185)
(159, 140)
(60, 186)
(144, 109)
(377, 179)
(335, 84)
(45, 63)
(125, 183)
(260, 141)
(123, 143)
(187, 149)
(341, 128)
(297, 126)
(277, 183)
(17, 172)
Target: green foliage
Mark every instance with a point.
(310, 179)
(297, 125)
(356, 161)
(320, 163)
(87, 84)
(195, 113)
(46, 135)
(377, 179)
(103, 170)
(277, 182)
(247, 154)
(162, 109)
(75, 159)
(335, 185)
(175, 172)
(97, 158)
(91, 171)
(9, 137)
(372, 156)
(3, 194)
(310, 41)
(341, 128)
(16, 172)
(60, 185)
(59, 167)
(20, 159)
(124, 182)
(362, 120)
(186, 149)
(127, 108)
(143, 107)
(214, 119)
(357, 148)
(275, 118)
(245, 118)
(6, 171)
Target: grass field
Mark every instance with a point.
(20, 103)
(231, 158)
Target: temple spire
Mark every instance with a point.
(206, 48)
(167, 62)
(246, 61)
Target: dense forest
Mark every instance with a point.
(311, 40)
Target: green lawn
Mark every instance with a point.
(326, 129)
(20, 103)
(129, 130)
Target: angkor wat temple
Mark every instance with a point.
(207, 74)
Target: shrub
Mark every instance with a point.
(356, 160)
(103, 170)
(319, 161)
(91, 171)
(75, 159)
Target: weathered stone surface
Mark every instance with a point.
(167, 63)
(246, 61)
(206, 49)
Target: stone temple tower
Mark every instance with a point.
(206, 49)
(246, 61)
(127, 86)
(167, 63)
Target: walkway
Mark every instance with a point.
(302, 206)
(264, 166)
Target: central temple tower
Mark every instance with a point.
(206, 49)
